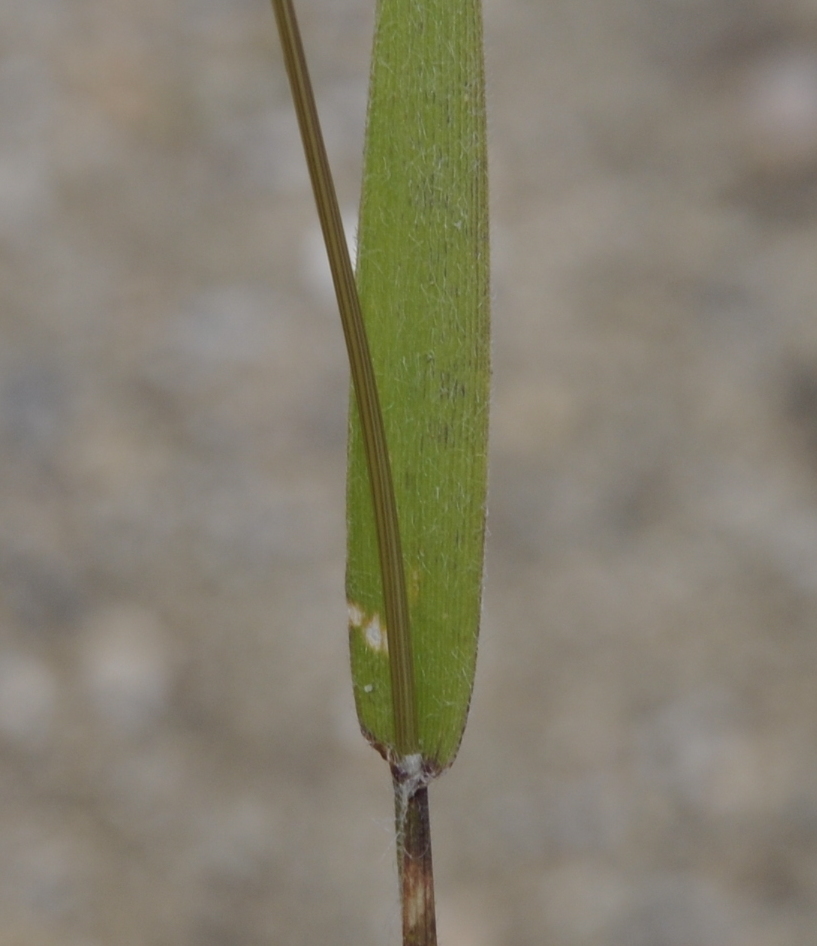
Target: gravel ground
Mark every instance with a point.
(179, 760)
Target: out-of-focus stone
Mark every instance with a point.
(677, 910)
(126, 668)
(778, 107)
(26, 173)
(465, 919)
(581, 900)
(28, 699)
(237, 842)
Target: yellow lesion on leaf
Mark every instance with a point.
(414, 585)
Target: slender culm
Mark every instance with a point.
(367, 401)
(416, 323)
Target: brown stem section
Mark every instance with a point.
(414, 865)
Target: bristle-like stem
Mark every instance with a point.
(378, 464)
(415, 866)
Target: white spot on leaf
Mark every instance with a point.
(374, 633)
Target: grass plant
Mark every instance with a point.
(416, 328)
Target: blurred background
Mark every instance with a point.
(179, 756)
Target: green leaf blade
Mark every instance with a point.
(423, 274)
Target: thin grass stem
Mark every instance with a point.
(414, 865)
(401, 661)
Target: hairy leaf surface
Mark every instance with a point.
(423, 273)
